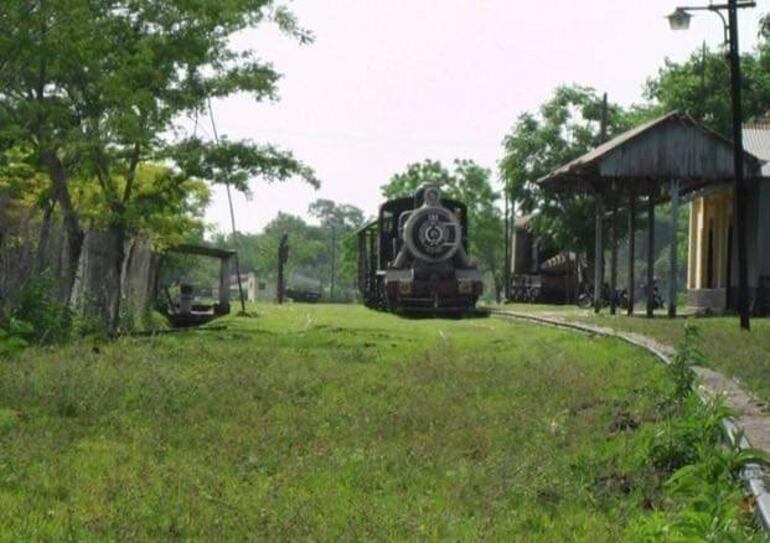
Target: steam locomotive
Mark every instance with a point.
(414, 256)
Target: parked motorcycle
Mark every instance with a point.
(586, 297)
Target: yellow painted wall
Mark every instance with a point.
(709, 214)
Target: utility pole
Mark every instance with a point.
(334, 258)
(283, 257)
(680, 20)
(740, 182)
(599, 240)
(232, 213)
(507, 251)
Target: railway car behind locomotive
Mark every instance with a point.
(542, 276)
(414, 256)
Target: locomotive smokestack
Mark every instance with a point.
(428, 194)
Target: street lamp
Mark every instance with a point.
(680, 20)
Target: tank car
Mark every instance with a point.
(414, 256)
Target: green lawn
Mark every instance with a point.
(744, 356)
(329, 423)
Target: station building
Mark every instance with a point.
(712, 271)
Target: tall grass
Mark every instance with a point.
(335, 422)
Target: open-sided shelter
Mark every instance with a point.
(669, 158)
(187, 313)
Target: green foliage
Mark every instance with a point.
(689, 433)
(565, 127)
(310, 252)
(50, 320)
(471, 184)
(700, 87)
(237, 162)
(686, 356)
(326, 423)
(345, 220)
(335, 422)
(13, 336)
(704, 481)
(96, 88)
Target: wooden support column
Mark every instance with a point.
(674, 269)
(650, 250)
(225, 273)
(631, 251)
(614, 256)
(598, 253)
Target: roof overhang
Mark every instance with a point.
(672, 147)
(202, 250)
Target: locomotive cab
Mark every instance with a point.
(423, 255)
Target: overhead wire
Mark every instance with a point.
(232, 211)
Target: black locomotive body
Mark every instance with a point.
(414, 256)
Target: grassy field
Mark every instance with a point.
(745, 356)
(329, 423)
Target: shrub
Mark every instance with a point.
(12, 336)
(37, 304)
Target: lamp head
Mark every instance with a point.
(680, 19)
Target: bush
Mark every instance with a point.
(12, 337)
(50, 321)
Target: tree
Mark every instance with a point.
(565, 127)
(340, 221)
(700, 87)
(92, 86)
(469, 183)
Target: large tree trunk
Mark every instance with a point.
(45, 236)
(74, 233)
(114, 286)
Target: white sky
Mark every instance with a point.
(391, 82)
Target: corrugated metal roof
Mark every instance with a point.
(757, 142)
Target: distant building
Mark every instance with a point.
(255, 288)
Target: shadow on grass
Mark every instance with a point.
(447, 315)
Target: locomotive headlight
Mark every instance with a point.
(432, 196)
(465, 287)
(405, 287)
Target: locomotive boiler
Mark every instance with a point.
(414, 256)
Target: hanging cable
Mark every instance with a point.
(232, 212)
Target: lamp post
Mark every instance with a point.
(680, 20)
(507, 248)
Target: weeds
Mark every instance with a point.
(329, 423)
(686, 356)
(325, 423)
(702, 466)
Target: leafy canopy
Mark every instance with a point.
(700, 86)
(565, 127)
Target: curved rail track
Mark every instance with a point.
(752, 474)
